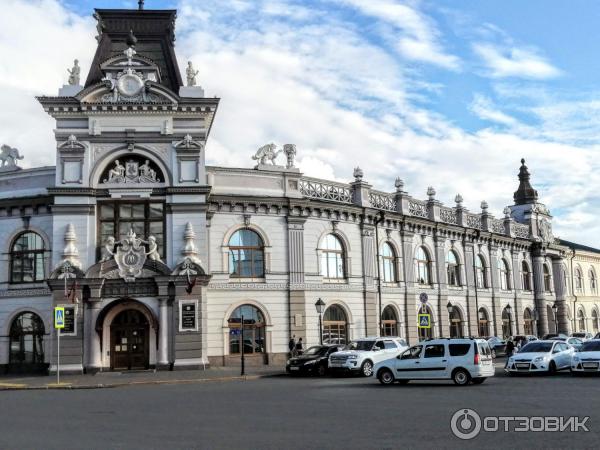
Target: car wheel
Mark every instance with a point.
(552, 368)
(493, 353)
(461, 377)
(366, 369)
(386, 377)
(321, 370)
(478, 380)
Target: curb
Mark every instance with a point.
(48, 387)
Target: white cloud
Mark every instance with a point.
(516, 62)
(418, 40)
(484, 108)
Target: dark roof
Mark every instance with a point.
(155, 34)
(525, 194)
(576, 246)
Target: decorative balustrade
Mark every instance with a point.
(474, 221)
(382, 200)
(520, 231)
(325, 191)
(449, 215)
(497, 226)
(417, 209)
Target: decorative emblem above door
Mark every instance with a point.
(132, 172)
(130, 257)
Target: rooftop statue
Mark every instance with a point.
(9, 156)
(266, 153)
(74, 73)
(191, 74)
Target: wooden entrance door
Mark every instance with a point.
(129, 341)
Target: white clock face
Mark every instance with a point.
(129, 85)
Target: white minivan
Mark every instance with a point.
(462, 360)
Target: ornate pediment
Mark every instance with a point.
(72, 145)
(188, 143)
(132, 170)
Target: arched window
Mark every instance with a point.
(332, 257)
(389, 322)
(426, 333)
(27, 258)
(578, 280)
(525, 276)
(552, 325)
(503, 274)
(484, 323)
(254, 330)
(26, 343)
(422, 266)
(480, 275)
(507, 323)
(246, 255)
(452, 269)
(335, 326)
(593, 282)
(456, 323)
(581, 320)
(595, 322)
(388, 263)
(527, 322)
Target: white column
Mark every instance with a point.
(163, 338)
(95, 357)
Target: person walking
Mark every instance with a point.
(292, 346)
(299, 347)
(510, 348)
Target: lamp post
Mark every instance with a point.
(320, 306)
(450, 308)
(509, 312)
(554, 311)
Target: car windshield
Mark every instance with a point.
(579, 335)
(537, 347)
(360, 345)
(558, 339)
(591, 346)
(316, 350)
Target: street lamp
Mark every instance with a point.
(450, 308)
(320, 306)
(554, 311)
(509, 312)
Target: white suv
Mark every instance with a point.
(362, 354)
(461, 360)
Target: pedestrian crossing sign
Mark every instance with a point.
(59, 317)
(424, 320)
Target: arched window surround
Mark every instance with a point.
(246, 254)
(390, 323)
(483, 322)
(453, 268)
(526, 277)
(23, 262)
(261, 233)
(335, 260)
(264, 311)
(423, 263)
(481, 272)
(388, 262)
(578, 274)
(504, 275)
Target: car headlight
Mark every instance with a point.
(353, 357)
(576, 358)
(539, 358)
(308, 363)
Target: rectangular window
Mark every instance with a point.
(146, 219)
(459, 349)
(435, 351)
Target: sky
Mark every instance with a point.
(445, 93)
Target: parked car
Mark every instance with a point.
(545, 356)
(361, 355)
(583, 335)
(574, 342)
(587, 359)
(462, 360)
(553, 335)
(497, 346)
(314, 361)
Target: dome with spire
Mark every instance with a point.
(525, 194)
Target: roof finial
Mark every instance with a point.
(131, 39)
(523, 161)
(525, 194)
(141, 5)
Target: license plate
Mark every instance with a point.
(522, 365)
(294, 368)
(590, 365)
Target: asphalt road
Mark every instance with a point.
(290, 413)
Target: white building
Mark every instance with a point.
(157, 256)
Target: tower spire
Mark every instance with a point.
(141, 5)
(525, 194)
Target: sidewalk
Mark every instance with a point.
(117, 379)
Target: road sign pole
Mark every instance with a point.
(58, 356)
(242, 343)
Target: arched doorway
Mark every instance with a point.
(527, 322)
(581, 320)
(484, 323)
(456, 323)
(507, 322)
(129, 341)
(254, 341)
(335, 326)
(389, 322)
(26, 344)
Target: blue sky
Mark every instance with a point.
(444, 93)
